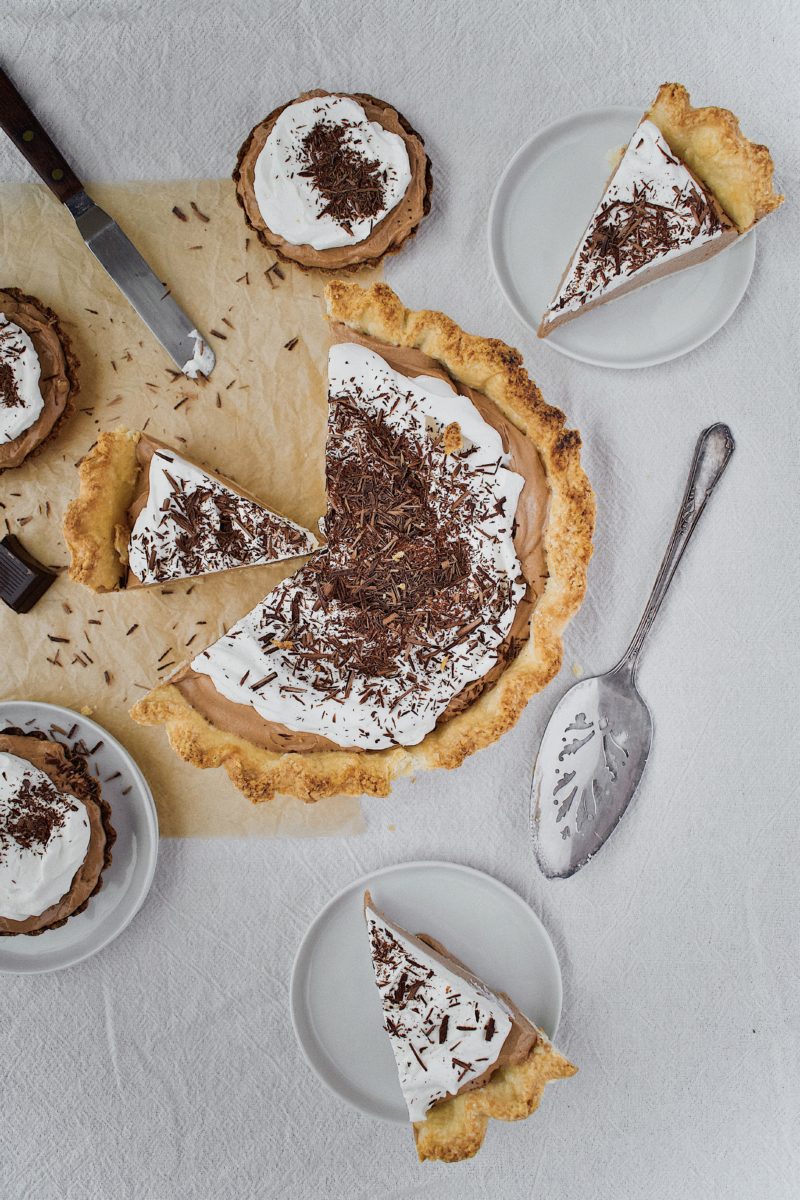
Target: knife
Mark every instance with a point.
(187, 348)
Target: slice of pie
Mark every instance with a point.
(38, 376)
(688, 185)
(334, 181)
(464, 1053)
(146, 514)
(458, 531)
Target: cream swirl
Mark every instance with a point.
(289, 179)
(21, 400)
(44, 838)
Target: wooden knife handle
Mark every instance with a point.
(17, 120)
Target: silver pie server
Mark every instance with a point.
(139, 284)
(597, 741)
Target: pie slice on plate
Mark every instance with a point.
(146, 514)
(688, 184)
(458, 531)
(464, 1053)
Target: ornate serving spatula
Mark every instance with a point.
(597, 741)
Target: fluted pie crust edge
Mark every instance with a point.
(454, 1129)
(710, 141)
(495, 369)
(95, 526)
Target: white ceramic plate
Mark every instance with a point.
(540, 208)
(335, 1005)
(127, 880)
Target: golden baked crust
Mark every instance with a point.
(454, 1129)
(373, 249)
(70, 367)
(495, 369)
(95, 522)
(710, 142)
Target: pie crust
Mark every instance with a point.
(388, 236)
(496, 370)
(454, 1129)
(709, 140)
(53, 347)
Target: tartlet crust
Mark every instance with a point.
(454, 1129)
(495, 369)
(89, 788)
(710, 141)
(245, 194)
(71, 367)
(95, 522)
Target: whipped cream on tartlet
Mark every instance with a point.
(192, 524)
(446, 1028)
(652, 211)
(21, 400)
(44, 839)
(418, 587)
(327, 174)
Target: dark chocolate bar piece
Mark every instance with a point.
(23, 580)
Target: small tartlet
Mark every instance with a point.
(388, 236)
(69, 772)
(59, 374)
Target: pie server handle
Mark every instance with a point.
(34, 143)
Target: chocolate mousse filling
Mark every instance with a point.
(531, 516)
(58, 382)
(387, 236)
(68, 772)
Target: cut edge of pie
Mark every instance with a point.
(495, 369)
(454, 1129)
(710, 141)
(96, 523)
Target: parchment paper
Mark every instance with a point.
(260, 419)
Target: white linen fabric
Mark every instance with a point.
(166, 1066)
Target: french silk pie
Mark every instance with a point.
(333, 181)
(688, 184)
(146, 514)
(38, 376)
(458, 533)
(464, 1053)
(55, 833)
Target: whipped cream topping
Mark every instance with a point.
(202, 361)
(327, 174)
(417, 589)
(44, 838)
(446, 1029)
(21, 400)
(192, 524)
(652, 211)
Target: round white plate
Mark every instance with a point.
(335, 1005)
(127, 880)
(540, 208)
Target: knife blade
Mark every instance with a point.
(133, 276)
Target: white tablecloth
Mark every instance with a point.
(166, 1067)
